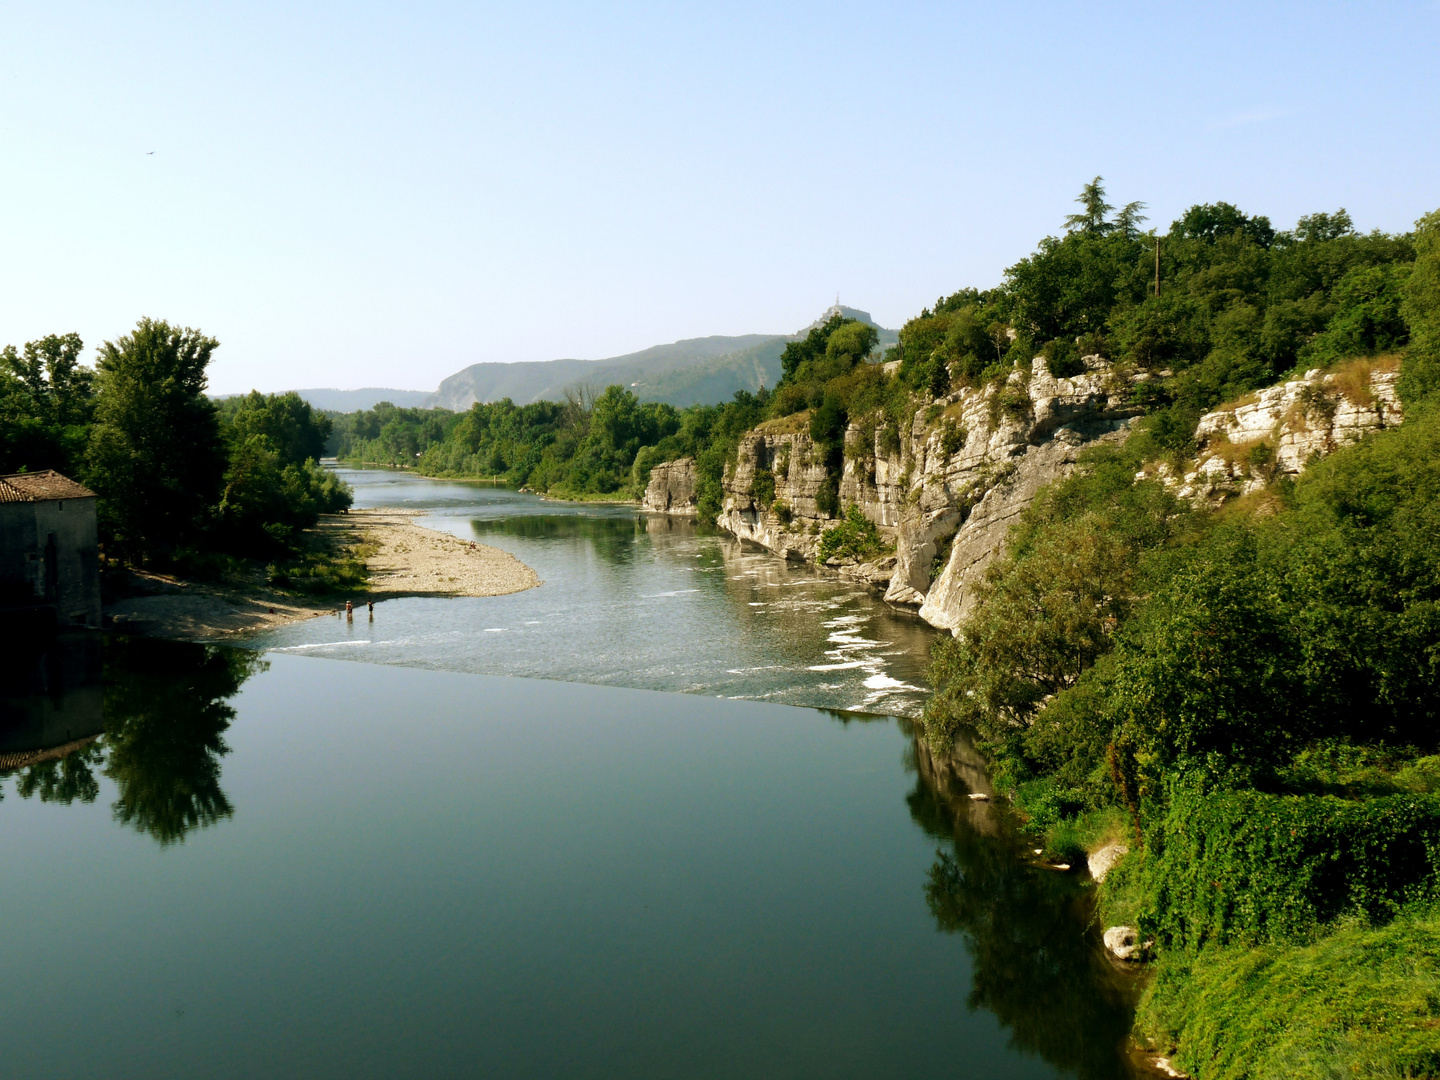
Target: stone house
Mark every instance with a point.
(49, 551)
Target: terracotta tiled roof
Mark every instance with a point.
(40, 487)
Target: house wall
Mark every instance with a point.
(25, 529)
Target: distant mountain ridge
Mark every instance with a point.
(354, 400)
(693, 371)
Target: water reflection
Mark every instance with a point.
(148, 715)
(1039, 965)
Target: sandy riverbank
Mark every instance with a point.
(403, 559)
(411, 561)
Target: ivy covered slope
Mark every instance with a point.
(1241, 682)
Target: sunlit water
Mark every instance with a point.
(632, 600)
(223, 863)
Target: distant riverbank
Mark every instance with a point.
(401, 558)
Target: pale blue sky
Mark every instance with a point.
(379, 194)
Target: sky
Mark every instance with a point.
(370, 194)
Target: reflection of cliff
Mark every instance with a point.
(161, 708)
(1038, 965)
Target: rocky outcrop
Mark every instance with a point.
(1104, 860)
(943, 491)
(672, 488)
(1280, 430)
(1123, 943)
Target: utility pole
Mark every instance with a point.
(1157, 268)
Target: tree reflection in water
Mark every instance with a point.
(163, 718)
(1038, 965)
(63, 780)
(165, 713)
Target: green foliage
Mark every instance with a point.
(267, 502)
(1121, 642)
(584, 447)
(46, 403)
(952, 437)
(1223, 867)
(1361, 1001)
(1062, 359)
(763, 487)
(155, 454)
(297, 432)
(856, 537)
(1420, 307)
(1367, 319)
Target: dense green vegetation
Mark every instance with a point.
(1359, 1002)
(1252, 691)
(182, 483)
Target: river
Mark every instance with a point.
(664, 816)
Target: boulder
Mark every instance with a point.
(672, 488)
(1104, 860)
(1123, 943)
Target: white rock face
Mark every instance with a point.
(672, 488)
(1103, 861)
(1289, 425)
(946, 489)
(965, 466)
(1124, 943)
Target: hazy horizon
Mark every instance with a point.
(350, 196)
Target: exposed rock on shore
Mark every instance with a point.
(945, 489)
(967, 464)
(672, 488)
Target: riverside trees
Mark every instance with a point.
(177, 477)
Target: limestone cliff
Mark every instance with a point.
(672, 488)
(1279, 430)
(965, 464)
(945, 489)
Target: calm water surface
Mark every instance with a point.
(631, 600)
(231, 863)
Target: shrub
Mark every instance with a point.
(952, 437)
(827, 498)
(1359, 1002)
(1062, 358)
(855, 537)
(1246, 867)
(763, 487)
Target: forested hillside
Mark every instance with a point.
(1220, 304)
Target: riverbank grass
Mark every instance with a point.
(1362, 1001)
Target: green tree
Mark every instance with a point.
(1421, 310)
(46, 403)
(155, 455)
(297, 432)
(1092, 219)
